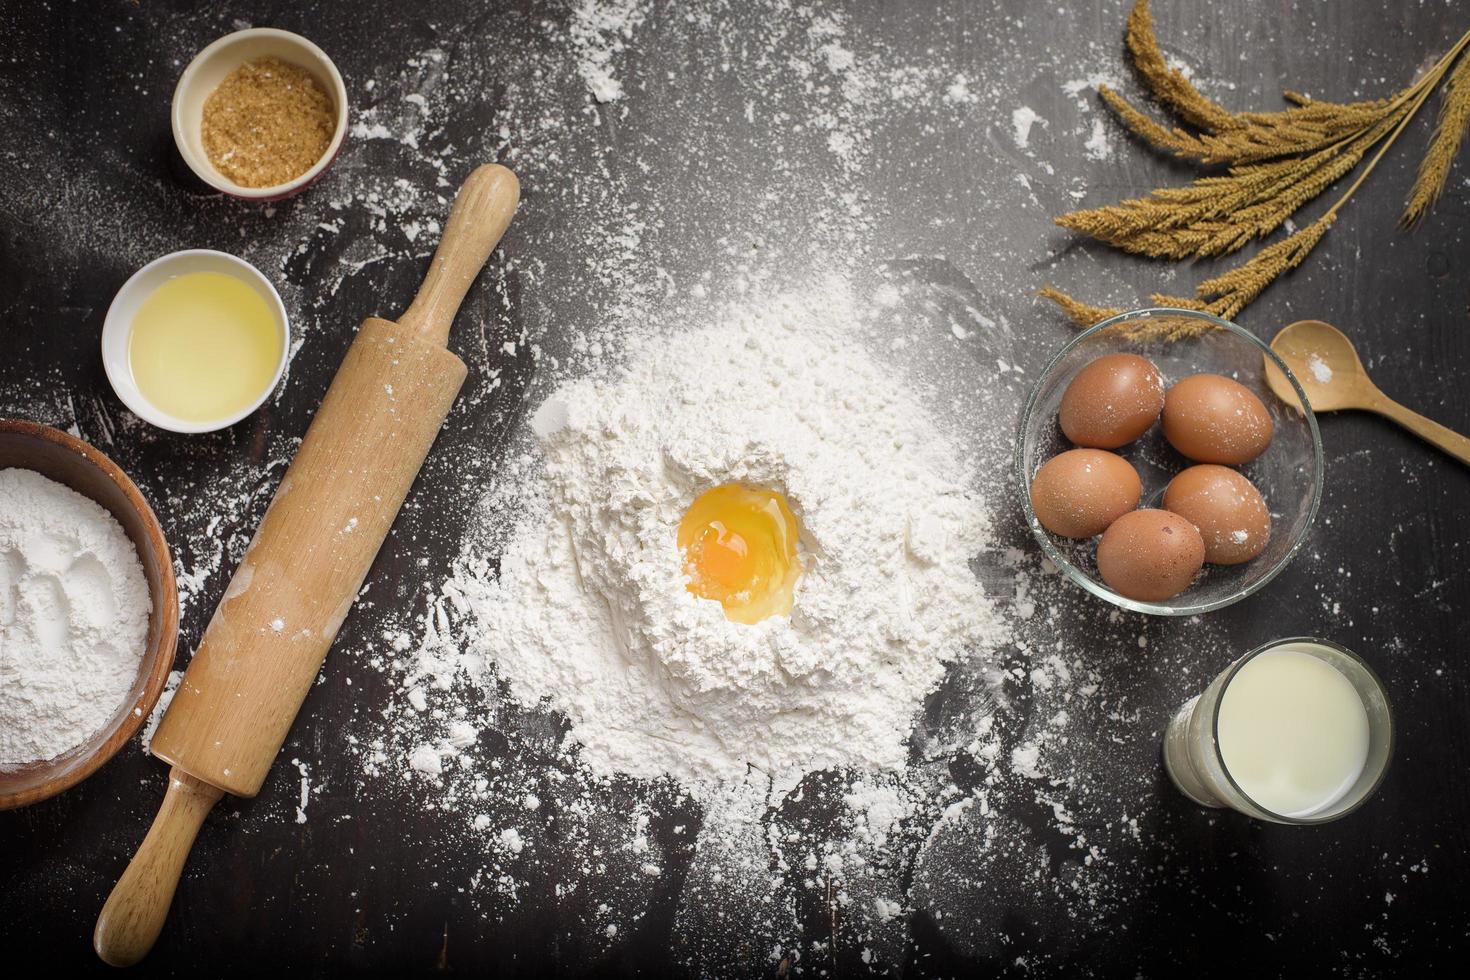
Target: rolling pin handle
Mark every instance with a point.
(133, 916)
(481, 213)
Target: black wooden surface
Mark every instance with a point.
(89, 189)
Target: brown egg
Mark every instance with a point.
(1226, 507)
(1150, 555)
(1079, 493)
(1212, 419)
(1112, 401)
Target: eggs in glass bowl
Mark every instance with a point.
(1163, 475)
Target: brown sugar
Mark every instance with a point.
(267, 123)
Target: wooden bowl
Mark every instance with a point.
(70, 461)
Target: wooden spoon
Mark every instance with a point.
(1329, 371)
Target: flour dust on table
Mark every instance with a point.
(591, 606)
(874, 748)
(912, 739)
(978, 775)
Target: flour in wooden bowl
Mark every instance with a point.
(73, 617)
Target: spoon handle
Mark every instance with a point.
(1429, 430)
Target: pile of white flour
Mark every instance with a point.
(73, 617)
(590, 607)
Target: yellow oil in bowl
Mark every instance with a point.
(204, 346)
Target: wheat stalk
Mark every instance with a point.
(1449, 133)
(1223, 296)
(1228, 137)
(1169, 86)
(1219, 215)
(1260, 136)
(1278, 163)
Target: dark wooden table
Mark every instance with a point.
(956, 211)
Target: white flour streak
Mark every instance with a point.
(599, 32)
(1097, 146)
(1022, 120)
(305, 797)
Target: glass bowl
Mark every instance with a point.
(1288, 473)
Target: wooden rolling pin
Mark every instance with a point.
(298, 579)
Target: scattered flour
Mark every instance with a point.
(591, 607)
(761, 861)
(305, 796)
(1084, 90)
(809, 108)
(1097, 146)
(170, 688)
(74, 609)
(1022, 120)
(599, 32)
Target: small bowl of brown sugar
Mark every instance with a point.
(260, 114)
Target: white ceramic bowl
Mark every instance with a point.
(119, 324)
(213, 64)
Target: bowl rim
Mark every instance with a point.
(1099, 589)
(204, 170)
(146, 410)
(162, 650)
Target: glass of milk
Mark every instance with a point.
(1298, 731)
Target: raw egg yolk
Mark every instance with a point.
(739, 547)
